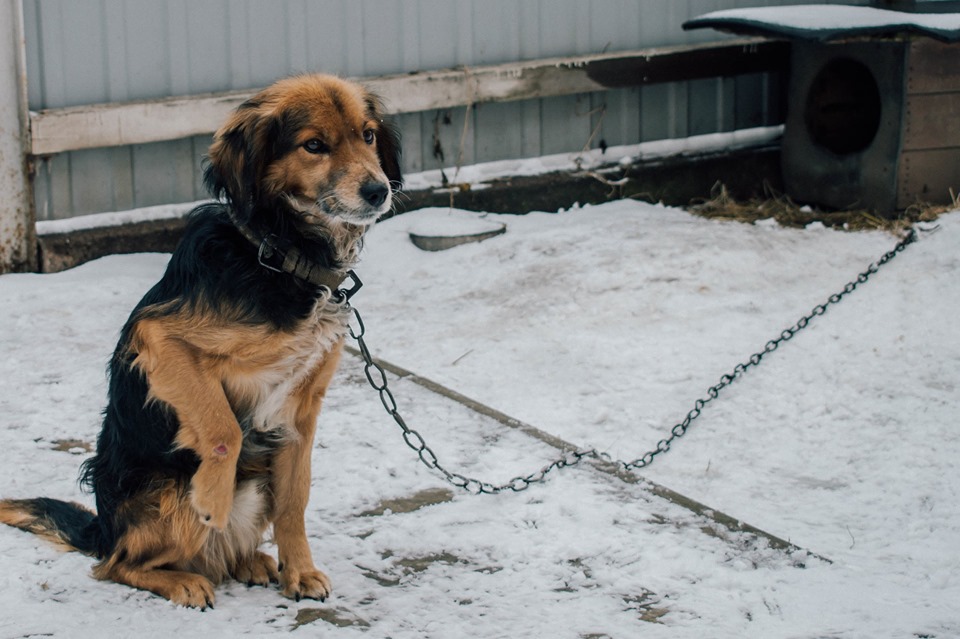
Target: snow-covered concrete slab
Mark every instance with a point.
(601, 326)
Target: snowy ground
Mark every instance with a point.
(600, 326)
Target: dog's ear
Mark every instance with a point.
(241, 150)
(388, 150)
(388, 142)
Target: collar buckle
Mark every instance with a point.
(269, 256)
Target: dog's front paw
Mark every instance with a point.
(211, 494)
(306, 584)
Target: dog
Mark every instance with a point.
(217, 381)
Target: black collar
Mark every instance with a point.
(276, 256)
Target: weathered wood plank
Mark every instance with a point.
(932, 67)
(929, 121)
(101, 125)
(68, 129)
(928, 176)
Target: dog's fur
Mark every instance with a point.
(218, 377)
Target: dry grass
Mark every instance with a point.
(786, 212)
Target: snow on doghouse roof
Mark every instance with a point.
(828, 22)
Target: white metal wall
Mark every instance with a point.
(94, 51)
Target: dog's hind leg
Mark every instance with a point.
(164, 549)
(181, 587)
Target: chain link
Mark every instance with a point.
(377, 377)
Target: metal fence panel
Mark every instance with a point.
(116, 50)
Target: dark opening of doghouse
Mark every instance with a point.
(842, 113)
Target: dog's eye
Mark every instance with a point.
(315, 145)
(369, 136)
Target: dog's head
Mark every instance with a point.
(317, 144)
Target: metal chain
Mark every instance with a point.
(377, 378)
(679, 430)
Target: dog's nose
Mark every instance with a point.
(374, 193)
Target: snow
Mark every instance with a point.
(595, 158)
(449, 223)
(600, 325)
(832, 17)
(116, 218)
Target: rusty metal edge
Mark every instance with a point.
(607, 467)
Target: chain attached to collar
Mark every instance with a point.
(415, 441)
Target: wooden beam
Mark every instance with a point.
(102, 125)
(119, 124)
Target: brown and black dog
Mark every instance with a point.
(220, 371)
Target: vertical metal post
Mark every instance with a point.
(18, 235)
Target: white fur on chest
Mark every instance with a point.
(264, 396)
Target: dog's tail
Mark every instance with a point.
(69, 525)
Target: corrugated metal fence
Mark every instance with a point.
(117, 50)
